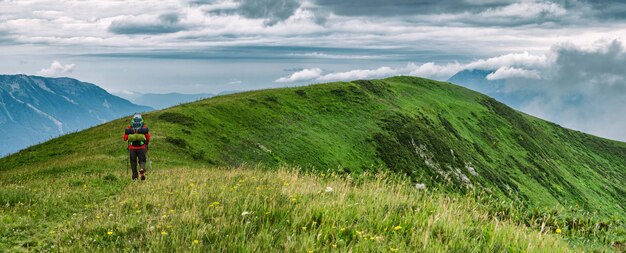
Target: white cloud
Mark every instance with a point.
(524, 59)
(435, 71)
(428, 70)
(359, 74)
(302, 75)
(56, 69)
(507, 72)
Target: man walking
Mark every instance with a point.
(138, 138)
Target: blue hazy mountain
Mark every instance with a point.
(161, 101)
(34, 109)
(476, 79)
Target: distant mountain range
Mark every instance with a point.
(161, 101)
(34, 109)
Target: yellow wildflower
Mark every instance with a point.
(558, 231)
(397, 227)
(163, 233)
(196, 241)
(110, 233)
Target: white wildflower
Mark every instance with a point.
(420, 186)
(245, 213)
(329, 189)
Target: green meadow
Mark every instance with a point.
(323, 168)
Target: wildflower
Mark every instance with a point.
(420, 186)
(558, 231)
(245, 213)
(196, 242)
(164, 216)
(303, 228)
(110, 233)
(329, 189)
(334, 245)
(138, 211)
(214, 204)
(294, 199)
(163, 233)
(397, 227)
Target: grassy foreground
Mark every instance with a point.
(234, 210)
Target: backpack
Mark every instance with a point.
(137, 131)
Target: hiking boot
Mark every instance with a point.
(142, 172)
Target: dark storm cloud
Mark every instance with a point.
(601, 9)
(273, 11)
(166, 23)
(579, 11)
(387, 8)
(605, 66)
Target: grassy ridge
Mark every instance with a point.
(435, 133)
(217, 210)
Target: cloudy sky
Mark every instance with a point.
(564, 57)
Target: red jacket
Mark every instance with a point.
(139, 147)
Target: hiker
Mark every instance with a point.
(138, 138)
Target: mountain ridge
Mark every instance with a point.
(33, 108)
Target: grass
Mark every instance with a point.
(243, 209)
(464, 144)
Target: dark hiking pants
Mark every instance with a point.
(134, 155)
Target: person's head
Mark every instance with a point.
(137, 121)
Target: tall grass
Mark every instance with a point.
(231, 210)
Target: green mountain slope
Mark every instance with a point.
(439, 134)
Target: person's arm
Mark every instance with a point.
(125, 135)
